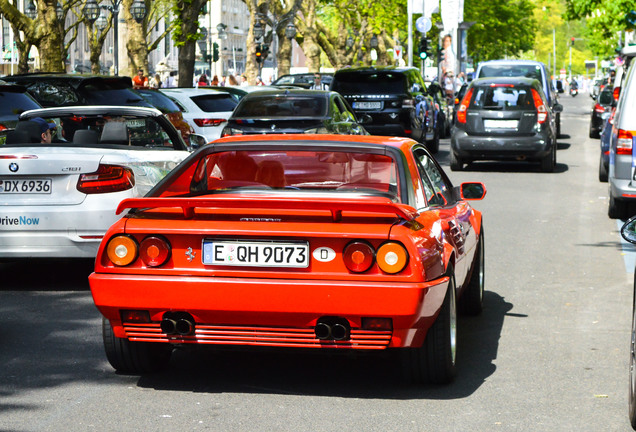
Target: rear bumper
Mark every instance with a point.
(622, 189)
(270, 312)
(476, 147)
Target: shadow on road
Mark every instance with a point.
(46, 274)
(350, 374)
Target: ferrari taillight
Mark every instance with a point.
(624, 142)
(391, 257)
(463, 107)
(107, 178)
(154, 251)
(122, 250)
(542, 111)
(358, 256)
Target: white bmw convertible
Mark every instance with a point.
(63, 171)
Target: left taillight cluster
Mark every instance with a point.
(359, 257)
(542, 111)
(123, 250)
(107, 179)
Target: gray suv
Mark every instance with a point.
(527, 69)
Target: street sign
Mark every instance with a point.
(423, 24)
(397, 52)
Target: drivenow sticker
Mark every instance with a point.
(324, 254)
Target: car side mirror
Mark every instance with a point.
(196, 141)
(472, 191)
(628, 230)
(557, 108)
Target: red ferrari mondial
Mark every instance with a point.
(325, 242)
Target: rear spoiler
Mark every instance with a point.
(335, 205)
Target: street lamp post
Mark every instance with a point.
(92, 13)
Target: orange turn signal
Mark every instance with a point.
(122, 250)
(392, 257)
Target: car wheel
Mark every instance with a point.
(548, 163)
(456, 164)
(434, 362)
(617, 209)
(632, 365)
(473, 296)
(433, 145)
(594, 133)
(134, 357)
(602, 170)
(558, 125)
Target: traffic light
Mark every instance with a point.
(215, 52)
(572, 41)
(422, 48)
(259, 53)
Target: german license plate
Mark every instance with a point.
(367, 105)
(256, 253)
(136, 123)
(501, 124)
(26, 186)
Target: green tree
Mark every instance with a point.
(186, 33)
(503, 28)
(605, 20)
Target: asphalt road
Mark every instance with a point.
(549, 352)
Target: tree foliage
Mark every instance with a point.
(605, 20)
(503, 28)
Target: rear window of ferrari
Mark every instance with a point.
(324, 171)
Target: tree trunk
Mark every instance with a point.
(50, 37)
(283, 58)
(185, 37)
(136, 43)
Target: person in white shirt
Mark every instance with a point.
(318, 84)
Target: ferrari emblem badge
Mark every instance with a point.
(190, 254)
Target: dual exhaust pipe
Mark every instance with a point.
(332, 328)
(181, 323)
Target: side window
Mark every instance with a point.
(342, 107)
(441, 192)
(337, 110)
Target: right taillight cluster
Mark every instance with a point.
(107, 178)
(123, 250)
(624, 142)
(542, 111)
(463, 107)
(359, 256)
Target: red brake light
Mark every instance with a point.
(542, 111)
(154, 251)
(599, 108)
(2, 127)
(358, 256)
(461, 112)
(209, 122)
(624, 142)
(616, 93)
(107, 178)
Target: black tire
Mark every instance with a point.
(632, 365)
(134, 357)
(549, 162)
(433, 145)
(617, 209)
(435, 361)
(456, 164)
(594, 133)
(602, 170)
(472, 300)
(558, 125)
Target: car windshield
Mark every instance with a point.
(326, 171)
(281, 106)
(606, 97)
(13, 104)
(374, 83)
(215, 102)
(502, 97)
(135, 132)
(511, 70)
(160, 101)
